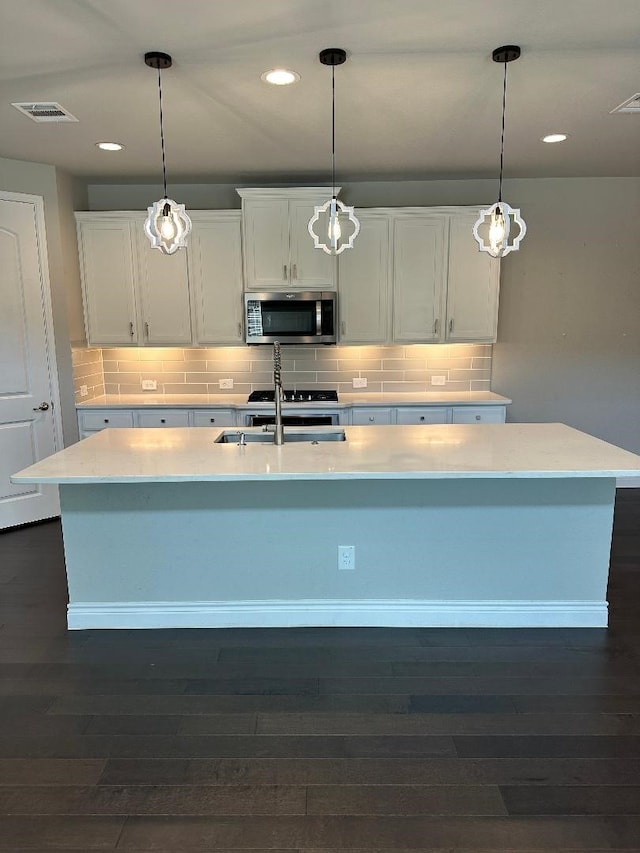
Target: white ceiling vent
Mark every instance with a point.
(631, 105)
(46, 111)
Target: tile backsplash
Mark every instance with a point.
(466, 367)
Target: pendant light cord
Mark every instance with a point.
(333, 129)
(164, 170)
(504, 103)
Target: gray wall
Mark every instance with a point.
(39, 179)
(569, 325)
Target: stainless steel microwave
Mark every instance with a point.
(307, 317)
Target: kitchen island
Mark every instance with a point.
(503, 525)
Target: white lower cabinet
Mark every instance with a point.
(97, 420)
(414, 415)
(371, 417)
(478, 415)
(213, 418)
(163, 418)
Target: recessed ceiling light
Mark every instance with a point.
(554, 137)
(110, 146)
(280, 77)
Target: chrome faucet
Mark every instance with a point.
(278, 432)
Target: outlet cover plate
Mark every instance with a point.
(359, 382)
(149, 385)
(438, 380)
(225, 383)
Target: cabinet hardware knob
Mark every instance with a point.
(212, 420)
(478, 417)
(106, 420)
(284, 271)
(163, 420)
(372, 418)
(41, 408)
(131, 329)
(421, 417)
(435, 326)
(450, 326)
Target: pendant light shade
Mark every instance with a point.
(337, 223)
(494, 230)
(167, 225)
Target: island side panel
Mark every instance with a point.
(512, 552)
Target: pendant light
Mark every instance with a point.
(167, 225)
(498, 240)
(334, 242)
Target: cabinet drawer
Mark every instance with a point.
(164, 418)
(370, 417)
(426, 415)
(478, 415)
(214, 417)
(105, 419)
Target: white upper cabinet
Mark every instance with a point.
(278, 250)
(363, 278)
(108, 263)
(215, 272)
(133, 294)
(164, 293)
(472, 285)
(419, 267)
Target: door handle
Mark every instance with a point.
(435, 326)
(450, 326)
(43, 407)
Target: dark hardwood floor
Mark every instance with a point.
(315, 739)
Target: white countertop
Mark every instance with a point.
(194, 401)
(372, 452)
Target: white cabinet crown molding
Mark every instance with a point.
(285, 192)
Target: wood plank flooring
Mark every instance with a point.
(315, 740)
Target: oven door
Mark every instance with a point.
(268, 419)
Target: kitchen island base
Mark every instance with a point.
(459, 552)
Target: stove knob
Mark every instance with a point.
(309, 397)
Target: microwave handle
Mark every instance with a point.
(318, 316)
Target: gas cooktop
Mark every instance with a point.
(296, 396)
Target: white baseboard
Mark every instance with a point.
(356, 614)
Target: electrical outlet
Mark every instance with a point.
(149, 385)
(438, 380)
(359, 382)
(84, 391)
(346, 558)
(225, 383)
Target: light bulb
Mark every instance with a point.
(335, 231)
(497, 232)
(167, 227)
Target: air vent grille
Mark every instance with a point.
(47, 111)
(631, 105)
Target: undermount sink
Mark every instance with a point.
(234, 437)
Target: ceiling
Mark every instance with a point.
(419, 96)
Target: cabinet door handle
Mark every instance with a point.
(239, 330)
(450, 326)
(284, 271)
(131, 329)
(343, 327)
(435, 326)
(146, 330)
(295, 271)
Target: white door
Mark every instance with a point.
(311, 268)
(363, 274)
(29, 421)
(215, 270)
(266, 244)
(418, 278)
(473, 285)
